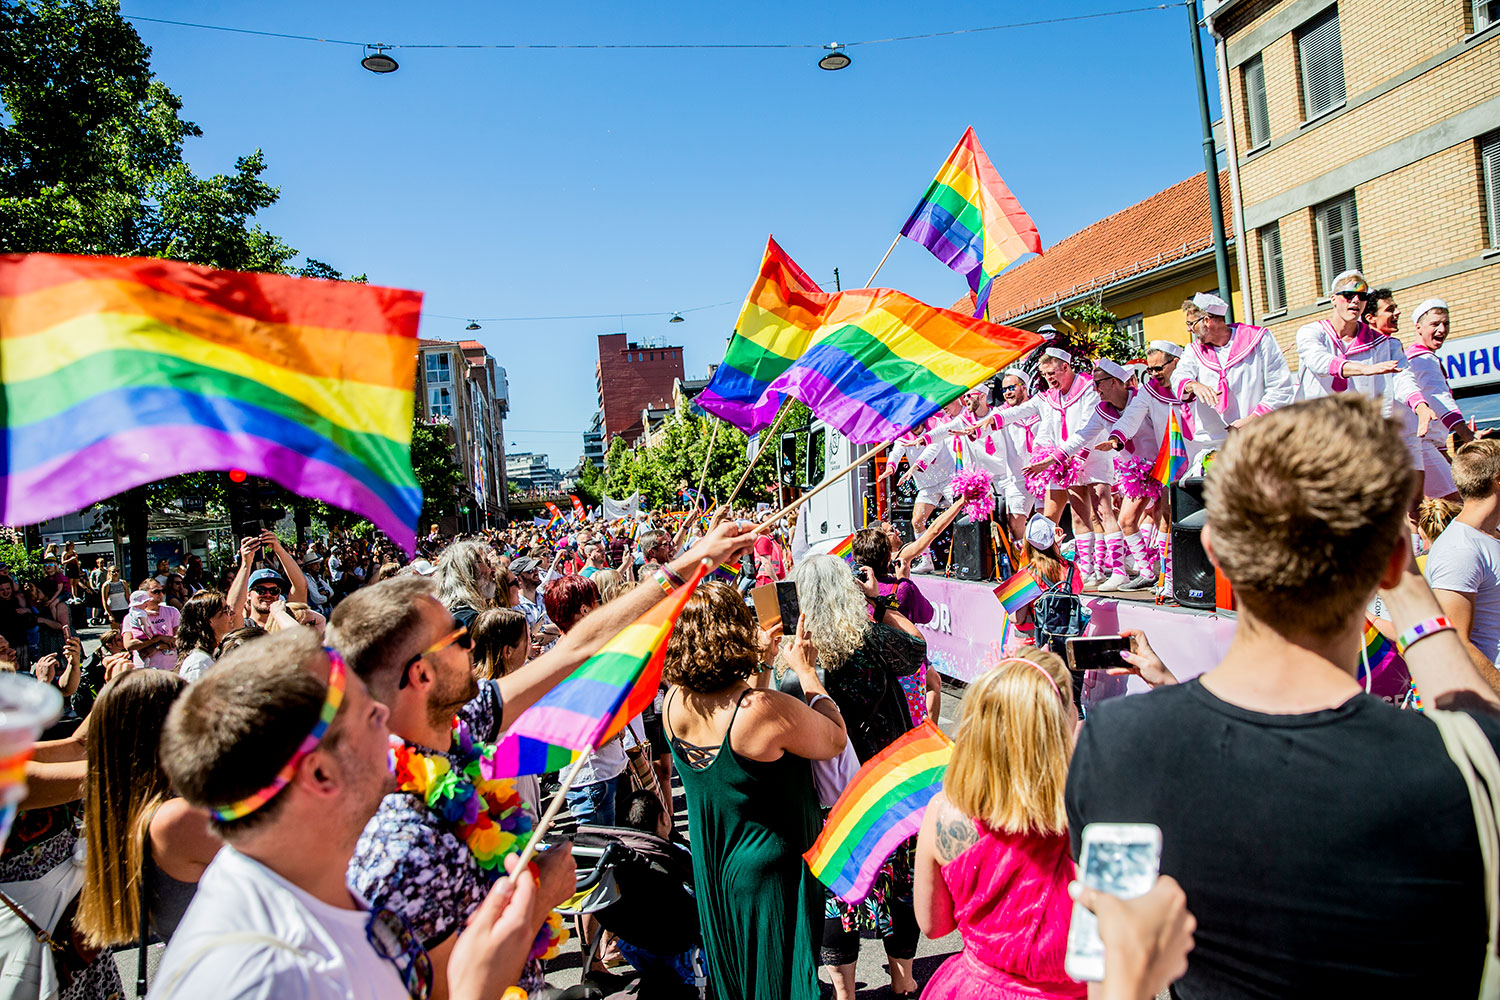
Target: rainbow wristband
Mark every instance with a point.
(1421, 630)
(662, 581)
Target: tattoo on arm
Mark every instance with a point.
(955, 834)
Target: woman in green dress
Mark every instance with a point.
(744, 754)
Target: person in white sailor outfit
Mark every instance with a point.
(1432, 320)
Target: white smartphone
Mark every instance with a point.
(1121, 859)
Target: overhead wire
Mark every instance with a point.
(541, 319)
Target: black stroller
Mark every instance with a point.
(639, 887)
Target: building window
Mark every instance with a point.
(1271, 269)
(1257, 120)
(1338, 237)
(437, 368)
(1486, 13)
(1321, 56)
(1489, 153)
(439, 403)
(1133, 327)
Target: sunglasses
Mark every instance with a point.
(1156, 369)
(1353, 296)
(155, 590)
(267, 590)
(458, 637)
(1009, 388)
(392, 938)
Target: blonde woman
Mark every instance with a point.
(863, 661)
(993, 859)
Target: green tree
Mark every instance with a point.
(1095, 335)
(590, 484)
(619, 469)
(436, 465)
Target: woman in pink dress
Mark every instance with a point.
(992, 858)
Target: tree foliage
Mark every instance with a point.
(1095, 335)
(590, 484)
(436, 464)
(675, 460)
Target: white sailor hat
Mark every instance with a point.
(1041, 531)
(1427, 306)
(1048, 331)
(1059, 354)
(1113, 368)
(1211, 304)
(1166, 347)
(1019, 373)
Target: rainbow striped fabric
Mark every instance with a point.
(871, 363)
(881, 808)
(121, 371)
(1379, 653)
(1171, 459)
(970, 221)
(597, 699)
(1019, 591)
(845, 549)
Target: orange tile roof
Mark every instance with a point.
(471, 345)
(1166, 227)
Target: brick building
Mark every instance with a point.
(462, 389)
(630, 378)
(1365, 133)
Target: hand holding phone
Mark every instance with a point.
(1121, 859)
(788, 606)
(1097, 652)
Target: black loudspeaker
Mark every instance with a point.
(973, 555)
(1192, 573)
(939, 544)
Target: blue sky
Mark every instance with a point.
(544, 183)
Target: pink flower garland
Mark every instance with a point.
(974, 486)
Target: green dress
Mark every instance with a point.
(760, 909)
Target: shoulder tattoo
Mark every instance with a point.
(955, 834)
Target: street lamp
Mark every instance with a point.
(379, 62)
(837, 57)
(472, 325)
(676, 318)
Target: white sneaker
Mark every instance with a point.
(1141, 582)
(1092, 581)
(923, 563)
(1116, 581)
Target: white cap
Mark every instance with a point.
(1349, 281)
(1041, 531)
(1427, 306)
(1136, 369)
(1019, 373)
(1048, 331)
(1166, 347)
(422, 567)
(1114, 368)
(1059, 354)
(1211, 304)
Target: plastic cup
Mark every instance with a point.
(27, 706)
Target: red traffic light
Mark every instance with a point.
(237, 475)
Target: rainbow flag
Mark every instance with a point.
(970, 221)
(1379, 652)
(597, 699)
(844, 550)
(1019, 591)
(881, 808)
(871, 363)
(557, 515)
(1171, 459)
(122, 371)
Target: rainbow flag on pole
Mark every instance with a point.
(881, 808)
(872, 363)
(120, 371)
(597, 699)
(845, 549)
(1019, 591)
(1171, 459)
(970, 221)
(1379, 653)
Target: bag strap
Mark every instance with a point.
(1475, 759)
(32, 925)
(145, 929)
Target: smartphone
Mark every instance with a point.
(1097, 652)
(786, 604)
(1122, 859)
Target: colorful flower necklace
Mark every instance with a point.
(487, 814)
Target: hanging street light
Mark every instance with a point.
(837, 57)
(472, 325)
(676, 318)
(378, 61)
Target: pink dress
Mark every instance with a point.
(1010, 898)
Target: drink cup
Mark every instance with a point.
(27, 706)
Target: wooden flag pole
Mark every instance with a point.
(552, 811)
(708, 457)
(887, 257)
(769, 435)
(768, 522)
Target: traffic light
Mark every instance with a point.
(252, 503)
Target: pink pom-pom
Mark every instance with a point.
(1133, 478)
(1061, 474)
(974, 486)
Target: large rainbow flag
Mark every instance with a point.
(970, 221)
(881, 808)
(121, 371)
(594, 703)
(1171, 459)
(871, 363)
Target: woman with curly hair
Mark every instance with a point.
(743, 752)
(863, 662)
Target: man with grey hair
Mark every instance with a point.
(1432, 320)
(466, 580)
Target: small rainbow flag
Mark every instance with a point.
(1379, 652)
(881, 808)
(871, 363)
(557, 515)
(597, 699)
(845, 549)
(970, 221)
(1171, 459)
(120, 371)
(1019, 591)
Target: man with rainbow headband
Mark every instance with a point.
(1230, 373)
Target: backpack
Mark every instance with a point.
(1058, 613)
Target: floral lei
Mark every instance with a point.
(487, 814)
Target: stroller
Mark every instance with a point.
(639, 887)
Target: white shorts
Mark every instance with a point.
(1017, 500)
(1437, 473)
(1099, 467)
(933, 494)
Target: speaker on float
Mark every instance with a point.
(1192, 574)
(973, 555)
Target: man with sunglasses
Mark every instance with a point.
(150, 629)
(1344, 354)
(1230, 373)
(399, 639)
(253, 591)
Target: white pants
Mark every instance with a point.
(1428, 457)
(931, 495)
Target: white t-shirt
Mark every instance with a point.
(194, 664)
(249, 934)
(1467, 561)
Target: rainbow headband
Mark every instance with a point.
(331, 702)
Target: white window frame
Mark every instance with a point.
(1257, 112)
(1274, 279)
(1133, 327)
(1347, 234)
(439, 368)
(1314, 38)
(1486, 13)
(440, 402)
(1489, 158)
